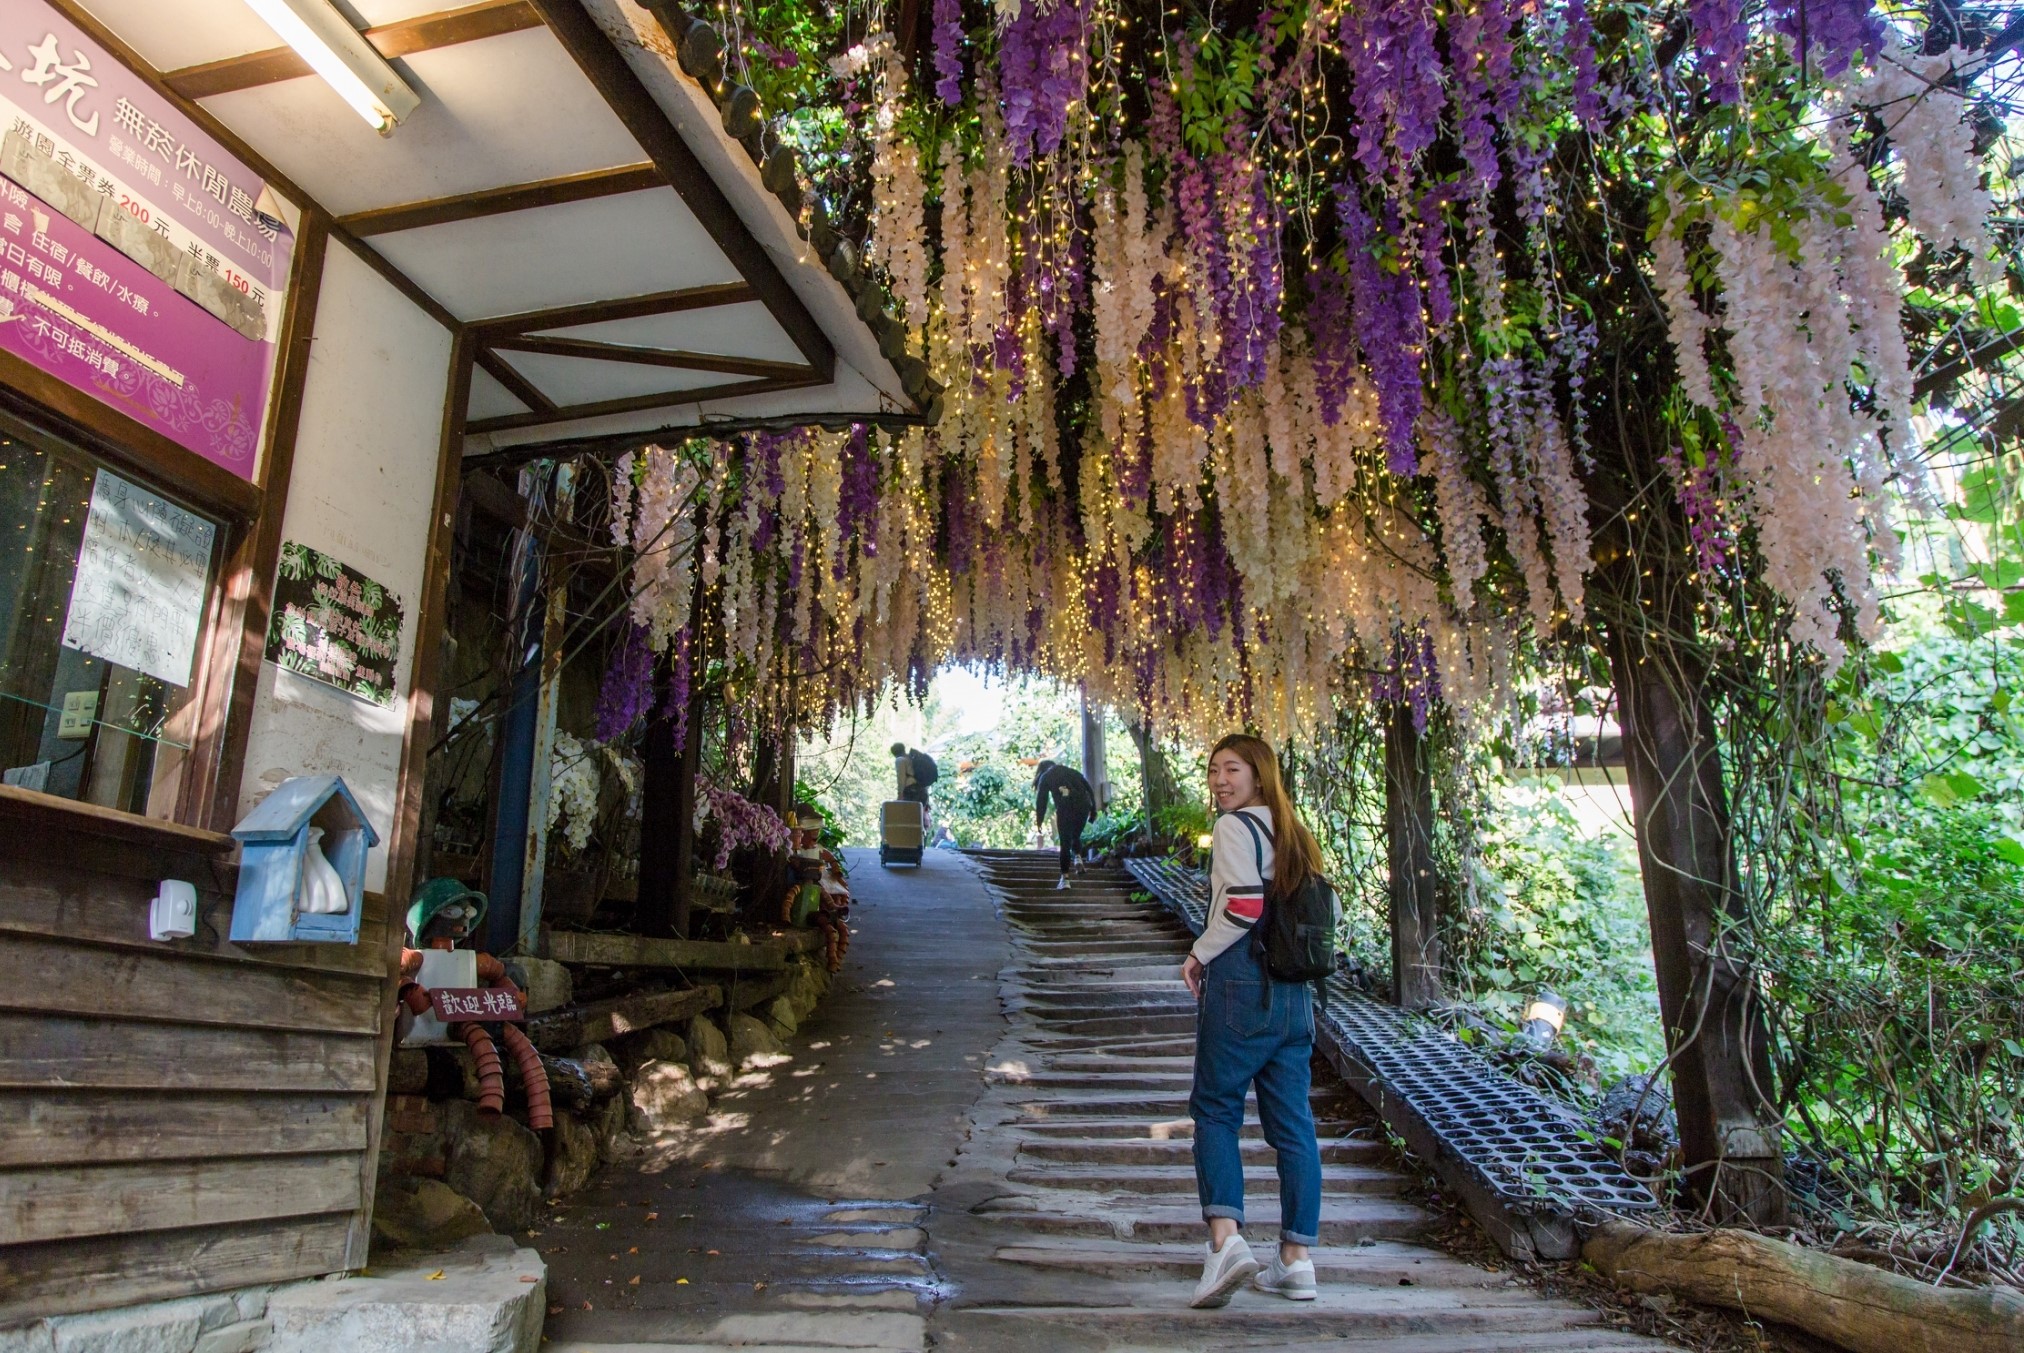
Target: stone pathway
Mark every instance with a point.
(792, 1217)
(980, 1143)
(1070, 1221)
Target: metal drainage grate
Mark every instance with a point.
(1522, 1161)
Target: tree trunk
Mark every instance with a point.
(1715, 1030)
(660, 829)
(1853, 1306)
(1408, 820)
(1156, 775)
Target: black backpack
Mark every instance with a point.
(926, 772)
(1295, 938)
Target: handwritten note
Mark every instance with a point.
(138, 598)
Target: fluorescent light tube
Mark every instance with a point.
(341, 55)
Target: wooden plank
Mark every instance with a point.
(72, 1202)
(245, 587)
(64, 1051)
(27, 810)
(37, 899)
(75, 1127)
(580, 187)
(64, 1277)
(57, 977)
(469, 23)
(759, 991)
(517, 385)
(629, 307)
(595, 1021)
(673, 399)
(640, 951)
(678, 358)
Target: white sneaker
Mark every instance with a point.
(1224, 1272)
(1294, 1281)
(1061, 883)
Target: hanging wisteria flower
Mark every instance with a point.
(1722, 39)
(627, 691)
(1395, 82)
(1389, 325)
(948, 18)
(1043, 69)
(740, 822)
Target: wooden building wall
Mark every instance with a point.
(175, 1117)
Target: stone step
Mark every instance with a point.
(1093, 1150)
(1379, 1264)
(1259, 1180)
(1150, 1024)
(1043, 1080)
(1347, 1313)
(1344, 1220)
(1154, 1131)
(1064, 1105)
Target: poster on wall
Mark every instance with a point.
(138, 597)
(135, 264)
(335, 625)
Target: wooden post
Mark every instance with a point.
(1155, 775)
(1094, 769)
(1408, 820)
(685, 812)
(1715, 1030)
(660, 829)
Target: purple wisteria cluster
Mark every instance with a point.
(740, 822)
(1829, 33)
(1411, 676)
(1722, 40)
(1479, 46)
(948, 17)
(857, 503)
(1580, 40)
(676, 710)
(1395, 83)
(1390, 327)
(1700, 494)
(627, 691)
(1331, 335)
(1042, 69)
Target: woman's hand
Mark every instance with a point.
(1191, 973)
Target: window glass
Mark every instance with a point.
(103, 585)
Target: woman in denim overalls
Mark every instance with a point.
(1251, 1030)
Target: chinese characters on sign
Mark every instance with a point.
(134, 264)
(335, 625)
(466, 1005)
(138, 598)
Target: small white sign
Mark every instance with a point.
(138, 600)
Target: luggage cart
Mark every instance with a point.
(903, 831)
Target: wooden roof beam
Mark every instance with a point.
(625, 307)
(516, 384)
(425, 32)
(673, 399)
(643, 356)
(591, 183)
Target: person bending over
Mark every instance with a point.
(915, 771)
(1074, 805)
(1252, 1030)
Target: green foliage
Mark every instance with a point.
(989, 805)
(1114, 831)
(1554, 906)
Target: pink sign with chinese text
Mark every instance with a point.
(134, 265)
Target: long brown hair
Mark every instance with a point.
(1296, 855)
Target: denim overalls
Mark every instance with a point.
(1245, 1034)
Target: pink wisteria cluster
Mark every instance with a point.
(740, 823)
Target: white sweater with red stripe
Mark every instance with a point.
(1236, 882)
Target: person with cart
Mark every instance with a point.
(1074, 805)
